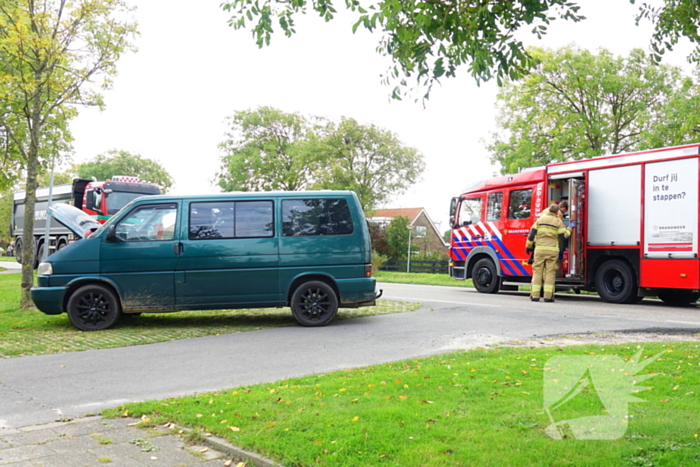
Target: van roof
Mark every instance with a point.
(253, 194)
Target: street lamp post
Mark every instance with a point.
(408, 260)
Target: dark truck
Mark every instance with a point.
(99, 199)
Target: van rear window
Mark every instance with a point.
(315, 217)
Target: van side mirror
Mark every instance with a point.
(452, 222)
(111, 236)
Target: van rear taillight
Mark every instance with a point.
(368, 270)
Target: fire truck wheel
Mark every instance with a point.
(485, 276)
(615, 282)
(93, 308)
(679, 297)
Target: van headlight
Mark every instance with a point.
(44, 269)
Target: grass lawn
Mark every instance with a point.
(481, 407)
(420, 278)
(31, 332)
(7, 258)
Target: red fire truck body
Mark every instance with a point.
(636, 233)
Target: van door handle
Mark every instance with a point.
(178, 248)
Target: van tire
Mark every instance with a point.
(93, 308)
(485, 276)
(615, 282)
(314, 303)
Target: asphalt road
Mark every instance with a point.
(44, 388)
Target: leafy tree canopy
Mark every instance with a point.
(267, 149)
(576, 104)
(117, 162)
(428, 40)
(396, 234)
(368, 160)
(55, 55)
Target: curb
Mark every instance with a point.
(220, 444)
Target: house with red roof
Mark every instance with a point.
(425, 236)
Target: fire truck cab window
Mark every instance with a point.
(520, 204)
(470, 211)
(493, 209)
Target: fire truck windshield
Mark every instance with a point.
(118, 199)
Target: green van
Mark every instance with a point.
(307, 250)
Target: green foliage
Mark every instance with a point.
(368, 160)
(447, 236)
(5, 216)
(672, 20)
(117, 162)
(267, 149)
(377, 261)
(397, 237)
(426, 40)
(576, 105)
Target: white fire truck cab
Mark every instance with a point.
(636, 231)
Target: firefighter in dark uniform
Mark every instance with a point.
(546, 238)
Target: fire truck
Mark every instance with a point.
(99, 199)
(636, 231)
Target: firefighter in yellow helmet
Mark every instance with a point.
(546, 238)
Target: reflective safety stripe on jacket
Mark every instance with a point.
(547, 233)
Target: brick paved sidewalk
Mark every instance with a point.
(96, 441)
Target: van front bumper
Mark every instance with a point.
(355, 293)
(48, 300)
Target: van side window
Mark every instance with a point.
(520, 204)
(470, 211)
(254, 219)
(493, 209)
(211, 220)
(229, 219)
(315, 217)
(148, 223)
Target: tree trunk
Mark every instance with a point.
(29, 212)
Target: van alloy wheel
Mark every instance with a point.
(314, 303)
(93, 308)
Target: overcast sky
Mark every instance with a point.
(192, 70)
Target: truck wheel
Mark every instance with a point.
(485, 276)
(615, 282)
(39, 256)
(679, 297)
(314, 303)
(93, 308)
(18, 251)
